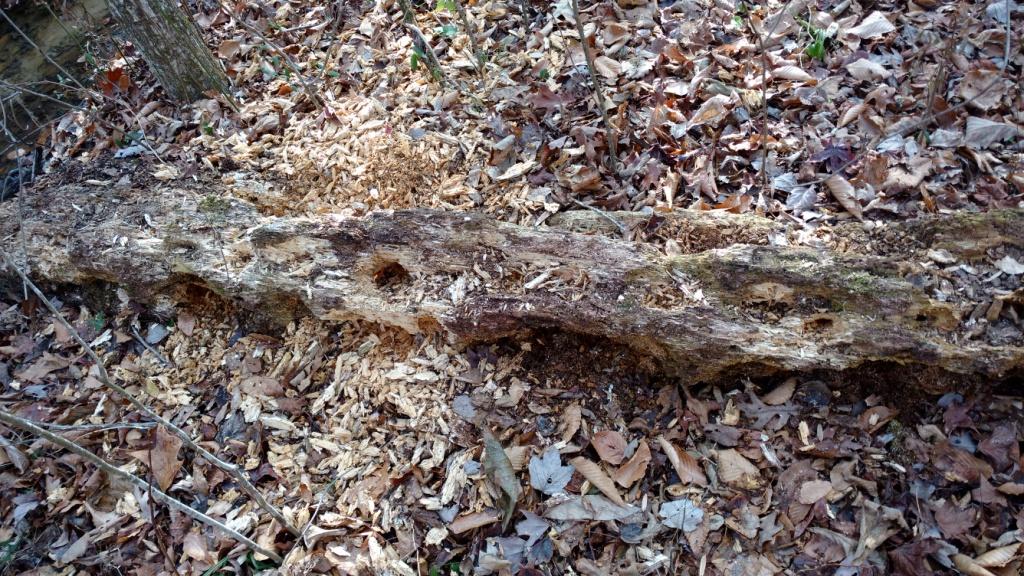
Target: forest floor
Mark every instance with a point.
(399, 454)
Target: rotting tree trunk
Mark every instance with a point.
(172, 46)
(748, 308)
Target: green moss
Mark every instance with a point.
(214, 205)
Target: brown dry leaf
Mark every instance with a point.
(686, 466)
(635, 468)
(875, 25)
(40, 368)
(14, 455)
(608, 67)
(595, 475)
(229, 48)
(711, 111)
(793, 73)
(468, 522)
(973, 86)
(194, 546)
(982, 133)
(610, 446)
(76, 550)
(843, 192)
(968, 566)
(162, 458)
(571, 420)
(186, 322)
(998, 557)
(852, 113)
(735, 470)
(814, 490)
(867, 71)
(781, 393)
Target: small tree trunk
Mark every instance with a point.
(172, 46)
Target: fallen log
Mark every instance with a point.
(717, 308)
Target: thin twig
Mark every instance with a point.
(598, 93)
(110, 469)
(478, 55)
(317, 101)
(40, 50)
(95, 427)
(765, 188)
(420, 41)
(1006, 49)
(622, 227)
(166, 363)
(234, 471)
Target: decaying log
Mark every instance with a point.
(716, 309)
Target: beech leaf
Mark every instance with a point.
(595, 475)
(844, 193)
(686, 466)
(610, 446)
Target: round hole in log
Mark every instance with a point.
(390, 274)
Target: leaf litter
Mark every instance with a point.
(395, 470)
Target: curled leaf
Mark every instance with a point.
(686, 466)
(844, 193)
(499, 470)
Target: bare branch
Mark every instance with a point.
(170, 501)
(234, 471)
(598, 93)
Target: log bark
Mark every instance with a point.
(718, 309)
(172, 47)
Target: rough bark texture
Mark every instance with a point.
(171, 46)
(718, 308)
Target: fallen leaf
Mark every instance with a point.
(811, 492)
(194, 546)
(998, 557)
(867, 71)
(681, 514)
(635, 468)
(711, 111)
(42, 367)
(969, 567)
(735, 470)
(547, 473)
(610, 446)
(15, 456)
(229, 48)
(517, 170)
(589, 507)
(186, 322)
(162, 458)
(844, 193)
(499, 469)
(596, 476)
(76, 550)
(686, 466)
(781, 393)
(608, 67)
(468, 522)
(875, 25)
(982, 133)
(973, 87)
(794, 73)
(1009, 265)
